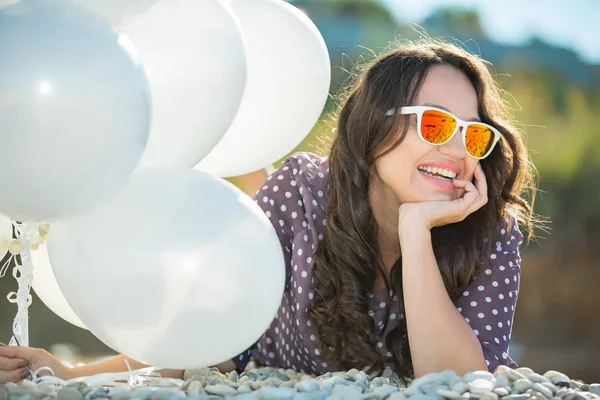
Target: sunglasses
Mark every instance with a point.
(436, 126)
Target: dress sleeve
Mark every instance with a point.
(281, 201)
(488, 304)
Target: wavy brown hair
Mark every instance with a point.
(348, 261)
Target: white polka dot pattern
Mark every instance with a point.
(294, 198)
(489, 302)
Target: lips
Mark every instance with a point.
(438, 182)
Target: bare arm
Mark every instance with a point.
(251, 182)
(439, 336)
(117, 364)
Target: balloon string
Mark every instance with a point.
(23, 273)
(5, 266)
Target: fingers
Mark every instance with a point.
(10, 364)
(16, 375)
(22, 352)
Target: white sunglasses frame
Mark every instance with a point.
(460, 123)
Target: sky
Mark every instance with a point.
(573, 24)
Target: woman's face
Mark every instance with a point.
(444, 87)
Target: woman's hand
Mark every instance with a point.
(438, 213)
(14, 361)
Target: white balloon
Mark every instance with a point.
(288, 83)
(6, 231)
(47, 289)
(180, 270)
(118, 12)
(74, 110)
(195, 58)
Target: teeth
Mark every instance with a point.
(438, 171)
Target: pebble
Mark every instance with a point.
(500, 391)
(449, 394)
(511, 373)
(543, 390)
(522, 385)
(280, 384)
(471, 376)
(67, 393)
(489, 396)
(221, 390)
(595, 388)
(481, 386)
(534, 377)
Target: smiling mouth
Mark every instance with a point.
(439, 173)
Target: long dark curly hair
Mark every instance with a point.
(348, 261)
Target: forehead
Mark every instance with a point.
(450, 88)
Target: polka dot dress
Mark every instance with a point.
(294, 198)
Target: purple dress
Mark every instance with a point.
(294, 198)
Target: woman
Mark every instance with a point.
(401, 247)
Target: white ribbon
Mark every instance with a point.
(23, 273)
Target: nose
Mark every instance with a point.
(455, 147)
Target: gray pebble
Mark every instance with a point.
(361, 385)
(194, 388)
(575, 385)
(471, 376)
(525, 371)
(221, 390)
(385, 390)
(423, 397)
(535, 377)
(511, 373)
(233, 376)
(244, 389)
(459, 387)
(397, 396)
(3, 394)
(522, 385)
(502, 381)
(481, 386)
(120, 393)
(273, 393)
(517, 397)
(550, 386)
(68, 393)
(595, 388)
(307, 385)
(489, 396)
(449, 394)
(500, 391)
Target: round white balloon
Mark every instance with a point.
(74, 110)
(118, 12)
(288, 83)
(6, 233)
(195, 58)
(47, 289)
(180, 270)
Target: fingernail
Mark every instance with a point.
(23, 364)
(25, 373)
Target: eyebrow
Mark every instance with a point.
(445, 109)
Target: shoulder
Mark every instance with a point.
(295, 192)
(507, 239)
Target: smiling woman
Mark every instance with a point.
(402, 248)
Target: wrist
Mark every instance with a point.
(411, 234)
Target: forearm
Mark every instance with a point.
(117, 364)
(439, 336)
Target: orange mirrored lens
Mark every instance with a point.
(437, 126)
(479, 139)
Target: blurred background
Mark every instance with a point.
(546, 54)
